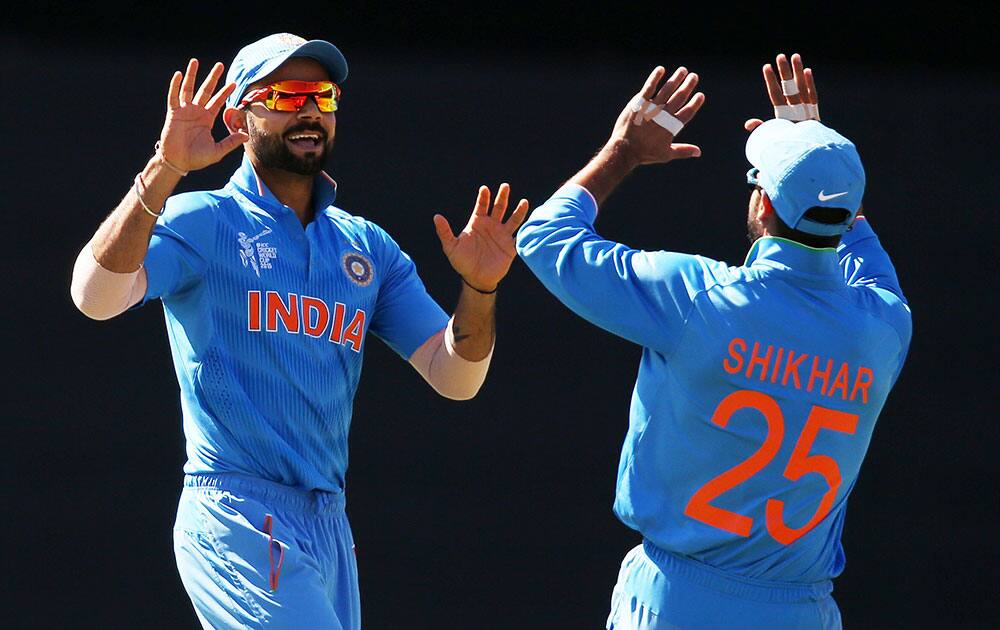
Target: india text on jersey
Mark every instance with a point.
(302, 314)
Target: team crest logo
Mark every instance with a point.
(254, 253)
(358, 268)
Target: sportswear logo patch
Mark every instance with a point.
(823, 197)
(257, 255)
(358, 268)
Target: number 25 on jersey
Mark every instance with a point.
(800, 463)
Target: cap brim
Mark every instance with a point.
(763, 136)
(328, 55)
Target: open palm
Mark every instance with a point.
(186, 139)
(482, 253)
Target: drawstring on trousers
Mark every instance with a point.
(275, 571)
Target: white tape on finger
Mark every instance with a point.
(795, 113)
(812, 111)
(668, 122)
(636, 103)
(789, 87)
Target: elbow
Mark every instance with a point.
(458, 394)
(79, 295)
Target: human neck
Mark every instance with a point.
(291, 189)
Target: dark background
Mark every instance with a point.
(493, 513)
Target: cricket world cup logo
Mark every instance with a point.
(257, 255)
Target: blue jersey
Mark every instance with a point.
(267, 323)
(758, 390)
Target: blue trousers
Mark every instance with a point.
(658, 590)
(252, 553)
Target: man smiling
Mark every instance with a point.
(269, 293)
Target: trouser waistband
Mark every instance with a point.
(319, 502)
(758, 590)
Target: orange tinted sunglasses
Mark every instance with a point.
(291, 96)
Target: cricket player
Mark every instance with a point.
(270, 293)
(759, 385)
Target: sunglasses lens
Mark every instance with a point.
(326, 103)
(287, 102)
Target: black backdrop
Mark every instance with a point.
(493, 513)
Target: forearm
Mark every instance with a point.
(473, 326)
(120, 243)
(606, 170)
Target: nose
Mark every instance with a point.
(310, 110)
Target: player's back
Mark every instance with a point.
(747, 436)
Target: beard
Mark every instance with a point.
(273, 153)
(755, 229)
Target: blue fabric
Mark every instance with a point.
(737, 362)
(804, 165)
(657, 590)
(267, 323)
(257, 60)
(255, 554)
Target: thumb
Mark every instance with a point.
(443, 229)
(752, 124)
(684, 151)
(226, 145)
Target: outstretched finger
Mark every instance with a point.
(686, 113)
(798, 72)
(517, 217)
(785, 74)
(773, 87)
(811, 95)
(670, 86)
(654, 78)
(215, 103)
(208, 85)
(684, 151)
(187, 85)
(500, 205)
(444, 233)
(681, 95)
(173, 92)
(482, 202)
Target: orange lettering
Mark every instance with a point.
(733, 369)
(758, 360)
(310, 305)
(777, 365)
(253, 311)
(861, 384)
(792, 367)
(816, 372)
(355, 331)
(338, 322)
(840, 382)
(289, 314)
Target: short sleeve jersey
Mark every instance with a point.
(758, 389)
(267, 322)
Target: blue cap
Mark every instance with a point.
(261, 58)
(807, 164)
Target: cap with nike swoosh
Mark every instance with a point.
(257, 60)
(803, 165)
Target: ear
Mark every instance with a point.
(764, 210)
(235, 119)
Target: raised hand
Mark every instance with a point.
(483, 251)
(647, 142)
(186, 140)
(798, 102)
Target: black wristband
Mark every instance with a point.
(480, 290)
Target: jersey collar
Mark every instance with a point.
(245, 178)
(819, 264)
